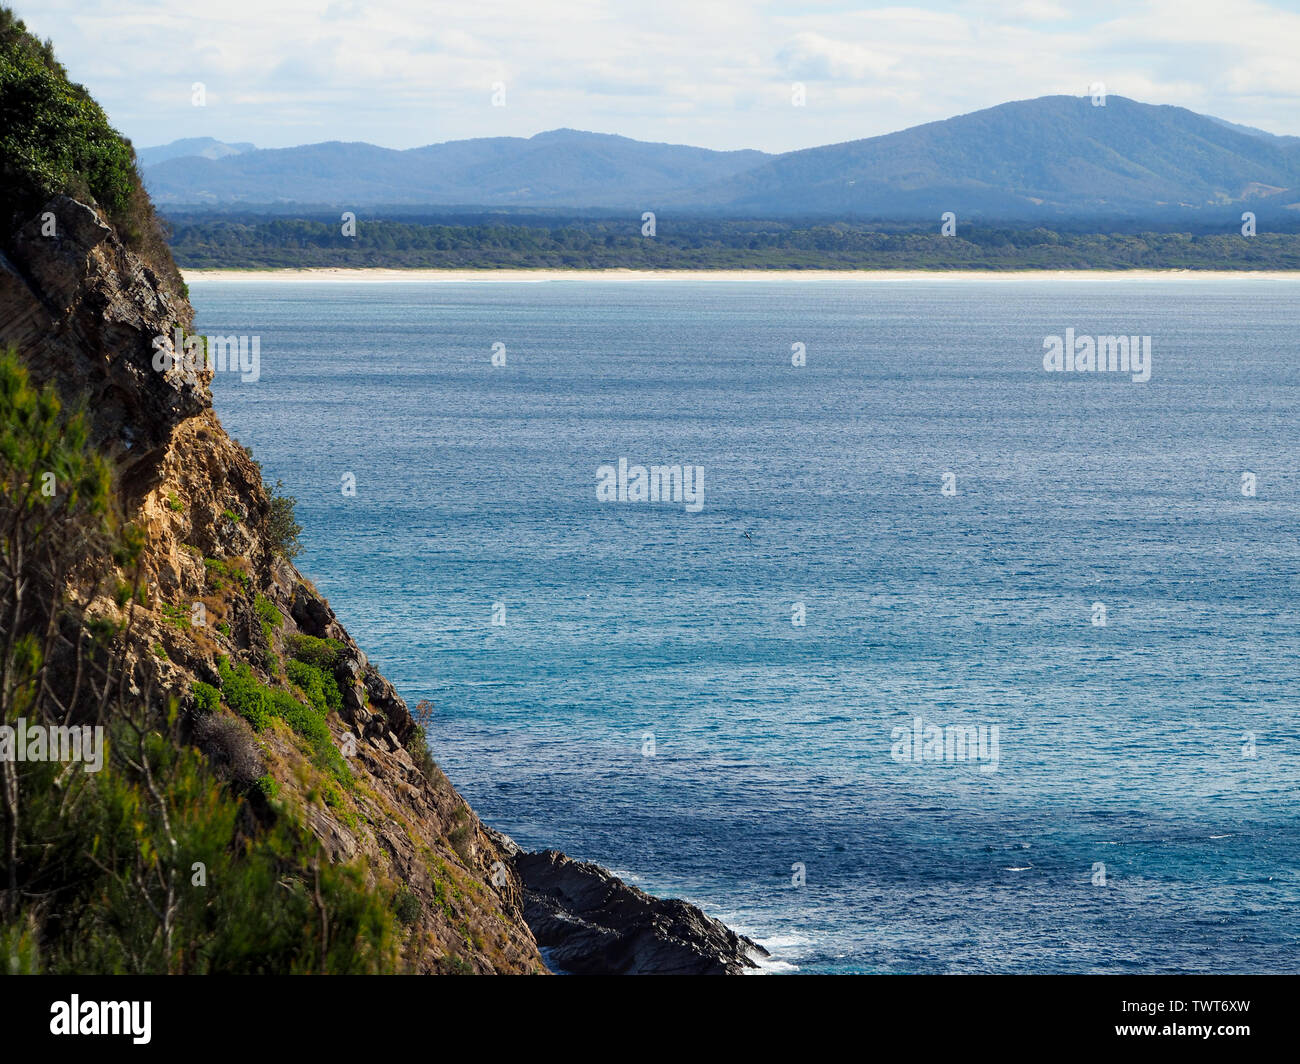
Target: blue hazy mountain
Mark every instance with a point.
(1255, 132)
(191, 148)
(1052, 156)
(560, 168)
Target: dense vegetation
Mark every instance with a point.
(54, 137)
(205, 241)
(175, 855)
(56, 140)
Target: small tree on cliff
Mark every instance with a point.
(282, 528)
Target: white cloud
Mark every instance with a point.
(409, 72)
(814, 57)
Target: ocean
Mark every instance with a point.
(1087, 584)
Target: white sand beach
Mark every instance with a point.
(387, 276)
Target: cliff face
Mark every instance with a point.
(84, 312)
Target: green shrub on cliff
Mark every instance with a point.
(271, 619)
(245, 694)
(324, 654)
(320, 687)
(407, 907)
(206, 698)
(221, 572)
(267, 612)
(418, 747)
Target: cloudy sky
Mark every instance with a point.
(717, 73)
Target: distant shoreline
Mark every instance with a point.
(385, 274)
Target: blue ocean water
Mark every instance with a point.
(1127, 826)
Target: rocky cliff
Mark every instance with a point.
(84, 312)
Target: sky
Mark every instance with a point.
(714, 73)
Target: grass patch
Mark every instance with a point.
(245, 694)
(222, 573)
(271, 620)
(267, 611)
(176, 615)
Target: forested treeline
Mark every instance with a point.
(603, 243)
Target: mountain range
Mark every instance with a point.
(1054, 156)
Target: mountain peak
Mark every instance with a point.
(191, 148)
(1046, 157)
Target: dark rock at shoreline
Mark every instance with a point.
(589, 922)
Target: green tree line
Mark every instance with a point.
(213, 242)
